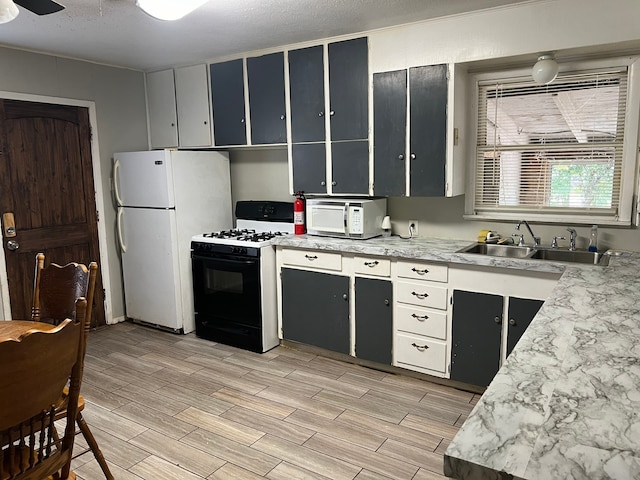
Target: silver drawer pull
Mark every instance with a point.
(371, 264)
(420, 348)
(311, 258)
(420, 318)
(421, 296)
(420, 272)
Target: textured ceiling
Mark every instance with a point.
(116, 32)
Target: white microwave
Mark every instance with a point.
(344, 217)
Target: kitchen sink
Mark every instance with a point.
(550, 254)
(576, 256)
(493, 250)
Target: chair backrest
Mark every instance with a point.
(35, 369)
(56, 289)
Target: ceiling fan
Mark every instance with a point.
(9, 11)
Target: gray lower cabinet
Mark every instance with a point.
(315, 309)
(476, 336)
(521, 313)
(265, 77)
(309, 166)
(374, 317)
(227, 99)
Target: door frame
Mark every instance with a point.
(5, 306)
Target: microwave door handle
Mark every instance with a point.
(345, 215)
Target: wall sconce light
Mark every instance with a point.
(169, 9)
(8, 11)
(545, 70)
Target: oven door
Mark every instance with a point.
(226, 290)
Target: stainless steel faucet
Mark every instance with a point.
(536, 240)
(572, 239)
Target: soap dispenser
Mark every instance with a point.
(593, 239)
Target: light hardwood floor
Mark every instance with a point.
(173, 407)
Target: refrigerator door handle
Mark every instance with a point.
(123, 247)
(116, 166)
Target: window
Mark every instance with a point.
(556, 152)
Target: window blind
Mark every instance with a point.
(551, 148)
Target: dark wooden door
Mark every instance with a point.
(521, 313)
(315, 309)
(476, 334)
(265, 76)
(348, 89)
(389, 133)
(46, 181)
(428, 117)
(306, 80)
(350, 167)
(227, 98)
(309, 167)
(374, 317)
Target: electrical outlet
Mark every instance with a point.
(413, 227)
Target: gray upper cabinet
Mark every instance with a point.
(389, 132)
(428, 120)
(265, 76)
(227, 98)
(348, 89)
(306, 80)
(433, 159)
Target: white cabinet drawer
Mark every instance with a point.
(421, 293)
(312, 258)
(432, 323)
(421, 352)
(380, 267)
(423, 271)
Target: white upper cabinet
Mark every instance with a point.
(161, 106)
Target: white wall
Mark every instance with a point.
(120, 107)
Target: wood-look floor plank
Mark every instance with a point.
(286, 471)
(151, 399)
(246, 457)
(131, 376)
(311, 405)
(441, 411)
(170, 361)
(112, 422)
(428, 425)
(189, 396)
(229, 471)
(91, 471)
(233, 380)
(256, 362)
(376, 461)
(135, 363)
(332, 428)
(155, 468)
(381, 410)
(199, 384)
(341, 386)
(220, 426)
(276, 427)
(368, 475)
(258, 404)
(106, 399)
(407, 392)
(283, 383)
(413, 455)
(307, 458)
(177, 453)
(424, 474)
(150, 418)
(116, 450)
(102, 380)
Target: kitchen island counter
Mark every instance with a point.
(566, 403)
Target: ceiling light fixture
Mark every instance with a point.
(8, 11)
(545, 70)
(169, 9)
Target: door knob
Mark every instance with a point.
(13, 245)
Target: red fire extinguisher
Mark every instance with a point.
(298, 214)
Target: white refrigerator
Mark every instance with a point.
(165, 197)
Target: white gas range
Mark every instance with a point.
(234, 277)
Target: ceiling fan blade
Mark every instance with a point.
(40, 7)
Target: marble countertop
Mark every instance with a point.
(566, 403)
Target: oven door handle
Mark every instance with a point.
(224, 260)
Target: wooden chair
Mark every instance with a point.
(35, 369)
(55, 290)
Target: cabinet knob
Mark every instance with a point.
(331, 113)
(205, 122)
(413, 156)
(334, 183)
(323, 183)
(321, 114)
(512, 321)
(173, 124)
(282, 117)
(497, 320)
(242, 120)
(386, 301)
(345, 296)
(401, 157)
